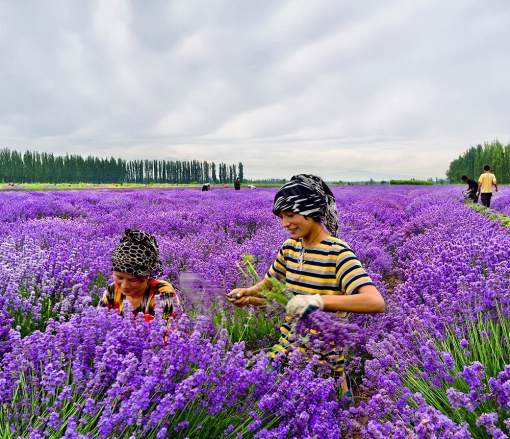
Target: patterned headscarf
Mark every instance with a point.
(137, 254)
(308, 195)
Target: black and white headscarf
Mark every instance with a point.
(137, 254)
(308, 195)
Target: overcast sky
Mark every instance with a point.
(338, 88)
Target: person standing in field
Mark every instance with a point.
(472, 188)
(237, 184)
(485, 182)
(319, 268)
(134, 261)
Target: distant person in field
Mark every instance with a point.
(237, 184)
(134, 262)
(206, 187)
(225, 185)
(485, 182)
(319, 268)
(472, 189)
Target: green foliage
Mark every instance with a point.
(504, 220)
(257, 327)
(276, 293)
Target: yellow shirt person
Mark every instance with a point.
(485, 182)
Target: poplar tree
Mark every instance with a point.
(35, 167)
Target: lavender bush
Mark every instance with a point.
(103, 375)
(68, 370)
(465, 375)
(500, 202)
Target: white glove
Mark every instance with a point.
(302, 304)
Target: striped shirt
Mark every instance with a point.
(330, 267)
(158, 293)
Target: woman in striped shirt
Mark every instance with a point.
(319, 268)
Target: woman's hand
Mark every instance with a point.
(239, 297)
(301, 305)
(249, 296)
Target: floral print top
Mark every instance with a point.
(158, 293)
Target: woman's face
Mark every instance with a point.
(129, 284)
(298, 225)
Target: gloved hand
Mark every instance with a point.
(301, 305)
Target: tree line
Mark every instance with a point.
(35, 167)
(471, 163)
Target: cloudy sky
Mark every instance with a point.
(339, 88)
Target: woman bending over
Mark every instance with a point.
(134, 261)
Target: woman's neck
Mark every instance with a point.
(136, 299)
(316, 235)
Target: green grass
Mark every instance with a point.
(29, 187)
(504, 220)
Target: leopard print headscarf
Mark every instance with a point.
(137, 254)
(308, 195)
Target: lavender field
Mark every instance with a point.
(434, 365)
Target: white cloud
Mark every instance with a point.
(281, 86)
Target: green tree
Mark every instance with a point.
(213, 173)
(505, 171)
(5, 162)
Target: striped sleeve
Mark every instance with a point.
(278, 268)
(351, 275)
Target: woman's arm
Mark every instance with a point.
(367, 300)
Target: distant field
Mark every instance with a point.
(75, 186)
(78, 186)
(63, 186)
